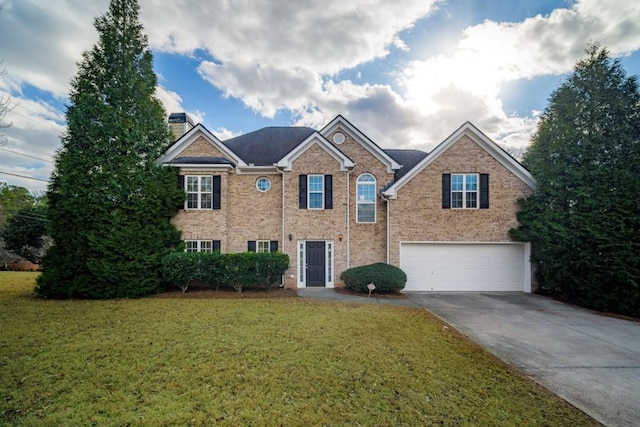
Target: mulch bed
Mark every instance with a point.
(226, 293)
(389, 295)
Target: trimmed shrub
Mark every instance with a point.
(239, 271)
(186, 268)
(385, 277)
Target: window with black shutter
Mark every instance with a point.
(217, 191)
(328, 191)
(302, 191)
(315, 191)
(446, 191)
(484, 191)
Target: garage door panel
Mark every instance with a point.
(463, 267)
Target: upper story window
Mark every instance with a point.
(465, 191)
(366, 198)
(203, 191)
(199, 192)
(263, 184)
(315, 191)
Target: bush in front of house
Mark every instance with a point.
(385, 277)
(239, 270)
(184, 269)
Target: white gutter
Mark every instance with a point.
(388, 234)
(283, 230)
(348, 221)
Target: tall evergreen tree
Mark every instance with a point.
(584, 218)
(110, 205)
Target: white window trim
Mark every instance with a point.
(267, 242)
(315, 192)
(258, 181)
(374, 203)
(302, 260)
(199, 244)
(329, 257)
(199, 192)
(464, 190)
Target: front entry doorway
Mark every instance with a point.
(315, 263)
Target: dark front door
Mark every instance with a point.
(315, 264)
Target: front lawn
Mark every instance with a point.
(281, 361)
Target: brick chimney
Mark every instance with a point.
(180, 124)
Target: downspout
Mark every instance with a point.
(348, 220)
(388, 233)
(283, 230)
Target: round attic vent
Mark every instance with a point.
(338, 137)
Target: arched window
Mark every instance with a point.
(366, 198)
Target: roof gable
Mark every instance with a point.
(173, 153)
(362, 139)
(482, 141)
(313, 139)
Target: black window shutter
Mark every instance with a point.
(216, 191)
(273, 246)
(181, 187)
(446, 191)
(484, 191)
(216, 245)
(302, 191)
(251, 246)
(328, 191)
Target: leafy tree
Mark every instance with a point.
(6, 256)
(584, 218)
(25, 233)
(110, 205)
(12, 199)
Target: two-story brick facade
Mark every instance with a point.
(333, 199)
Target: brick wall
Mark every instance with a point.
(417, 213)
(368, 241)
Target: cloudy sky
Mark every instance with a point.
(405, 72)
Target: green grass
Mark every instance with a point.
(163, 361)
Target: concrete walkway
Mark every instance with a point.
(592, 361)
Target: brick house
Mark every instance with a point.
(333, 199)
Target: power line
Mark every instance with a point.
(22, 215)
(24, 176)
(26, 155)
(50, 123)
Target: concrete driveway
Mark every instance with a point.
(589, 360)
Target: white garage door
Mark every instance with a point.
(465, 266)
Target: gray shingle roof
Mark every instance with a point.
(266, 146)
(407, 158)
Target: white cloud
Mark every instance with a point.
(34, 132)
(47, 39)
(279, 55)
(223, 133)
(323, 37)
(465, 84)
(172, 103)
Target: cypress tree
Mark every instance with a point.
(584, 218)
(110, 205)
